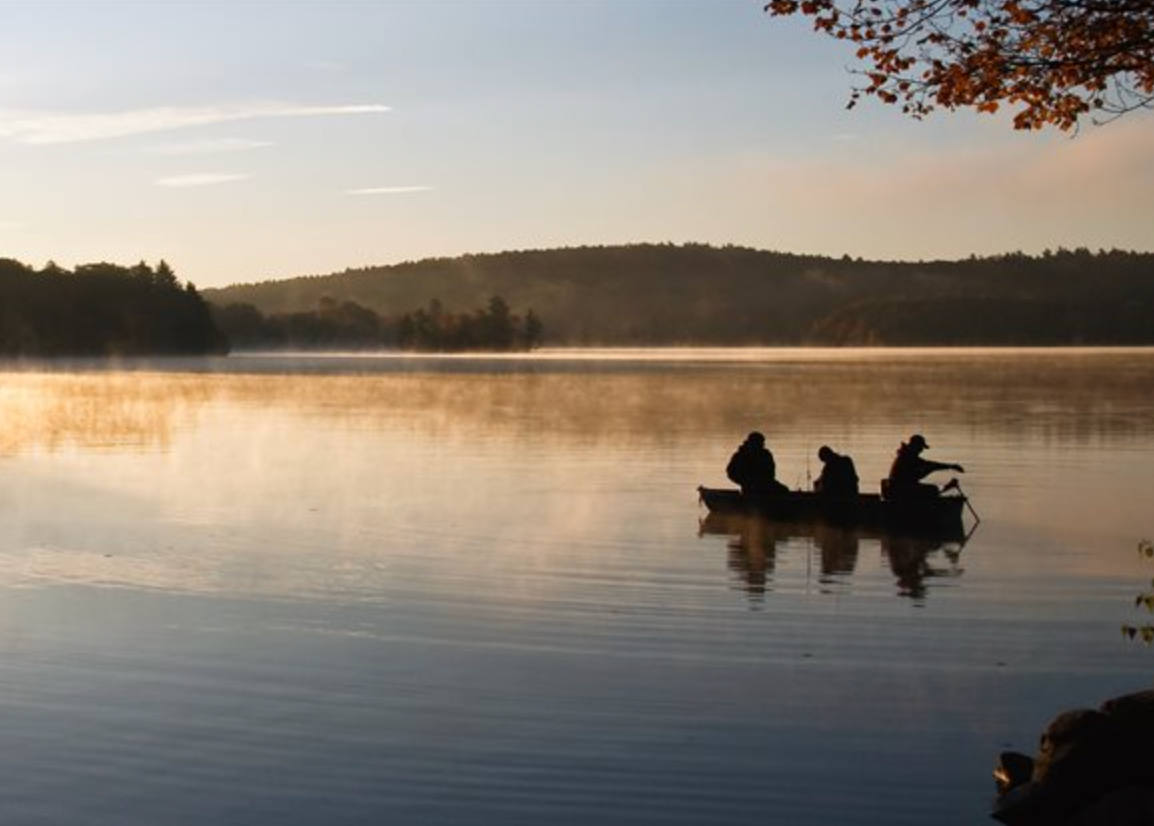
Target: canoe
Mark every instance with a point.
(866, 510)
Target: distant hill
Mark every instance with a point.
(663, 294)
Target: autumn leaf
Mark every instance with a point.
(1054, 61)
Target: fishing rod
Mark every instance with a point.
(956, 485)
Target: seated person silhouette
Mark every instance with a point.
(752, 467)
(838, 475)
(908, 470)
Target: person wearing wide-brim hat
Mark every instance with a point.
(909, 468)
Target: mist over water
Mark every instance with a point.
(480, 590)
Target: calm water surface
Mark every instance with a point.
(481, 590)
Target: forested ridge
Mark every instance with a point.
(664, 294)
(638, 295)
(102, 310)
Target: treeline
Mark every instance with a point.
(493, 328)
(661, 294)
(985, 320)
(102, 310)
(347, 325)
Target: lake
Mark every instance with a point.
(481, 590)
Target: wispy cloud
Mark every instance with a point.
(388, 190)
(56, 127)
(200, 179)
(216, 147)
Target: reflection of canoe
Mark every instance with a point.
(868, 510)
(757, 543)
(737, 523)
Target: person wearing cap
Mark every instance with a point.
(838, 475)
(909, 468)
(753, 468)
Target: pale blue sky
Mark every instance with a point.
(251, 140)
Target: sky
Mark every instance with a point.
(247, 140)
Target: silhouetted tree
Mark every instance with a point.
(534, 331)
(102, 309)
(497, 325)
(164, 276)
(494, 328)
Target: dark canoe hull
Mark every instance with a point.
(868, 510)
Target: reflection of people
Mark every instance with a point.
(838, 475)
(909, 559)
(909, 468)
(753, 554)
(755, 542)
(752, 467)
(839, 550)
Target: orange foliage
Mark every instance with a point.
(1054, 61)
